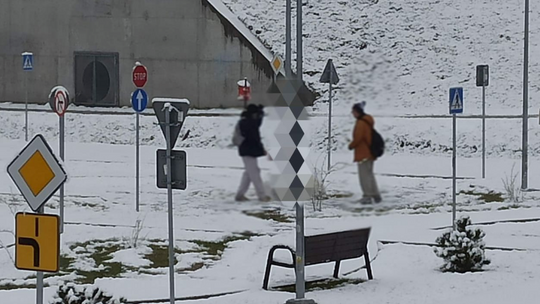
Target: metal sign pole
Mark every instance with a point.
(39, 274)
(484, 131)
(300, 252)
(454, 171)
(62, 156)
(245, 96)
(288, 29)
(524, 157)
(26, 106)
(137, 161)
(299, 55)
(330, 124)
(170, 200)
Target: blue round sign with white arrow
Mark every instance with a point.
(139, 100)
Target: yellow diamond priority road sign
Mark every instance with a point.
(38, 242)
(277, 64)
(37, 172)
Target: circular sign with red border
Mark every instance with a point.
(59, 100)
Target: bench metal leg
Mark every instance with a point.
(368, 266)
(267, 272)
(270, 262)
(336, 269)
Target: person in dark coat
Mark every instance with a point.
(250, 150)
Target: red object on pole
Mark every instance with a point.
(140, 76)
(244, 90)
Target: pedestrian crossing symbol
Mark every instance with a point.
(456, 100)
(28, 61)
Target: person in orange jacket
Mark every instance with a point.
(362, 153)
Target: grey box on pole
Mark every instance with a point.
(482, 75)
(178, 169)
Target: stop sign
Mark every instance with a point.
(140, 76)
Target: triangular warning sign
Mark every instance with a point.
(177, 116)
(456, 101)
(27, 63)
(329, 74)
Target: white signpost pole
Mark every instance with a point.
(484, 131)
(59, 102)
(28, 65)
(456, 107)
(25, 106)
(137, 161)
(300, 253)
(330, 120)
(525, 137)
(454, 171)
(62, 156)
(39, 274)
(168, 109)
(139, 100)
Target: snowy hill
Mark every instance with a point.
(402, 56)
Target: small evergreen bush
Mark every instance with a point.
(71, 294)
(463, 250)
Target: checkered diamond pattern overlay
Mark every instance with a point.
(293, 180)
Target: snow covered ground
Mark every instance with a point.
(222, 245)
(426, 136)
(401, 56)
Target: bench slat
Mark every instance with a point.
(318, 243)
(358, 234)
(344, 255)
(331, 249)
(346, 238)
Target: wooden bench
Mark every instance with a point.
(325, 248)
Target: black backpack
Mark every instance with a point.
(377, 142)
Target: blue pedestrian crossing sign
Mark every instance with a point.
(456, 100)
(28, 61)
(139, 100)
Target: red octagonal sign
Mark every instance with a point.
(140, 76)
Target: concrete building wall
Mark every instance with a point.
(183, 43)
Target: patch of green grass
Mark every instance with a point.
(112, 270)
(249, 234)
(89, 205)
(325, 284)
(193, 267)
(159, 257)
(101, 252)
(512, 206)
(339, 195)
(65, 263)
(273, 215)
(419, 212)
(427, 206)
(11, 286)
(216, 248)
(364, 209)
(149, 271)
(490, 197)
